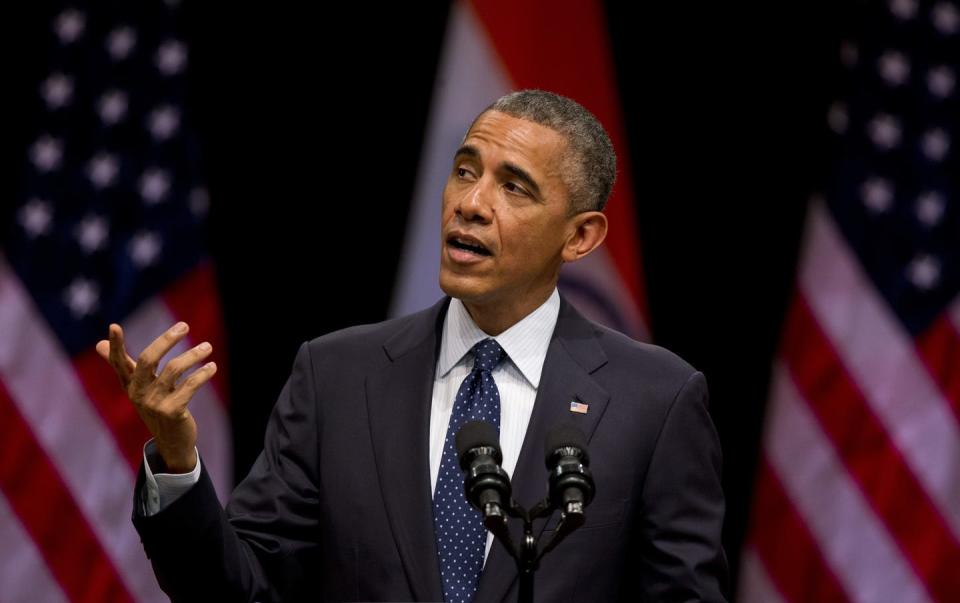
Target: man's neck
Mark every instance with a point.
(495, 318)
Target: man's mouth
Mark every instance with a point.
(468, 244)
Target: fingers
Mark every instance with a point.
(112, 350)
(146, 364)
(176, 367)
(191, 384)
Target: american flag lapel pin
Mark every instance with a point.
(579, 407)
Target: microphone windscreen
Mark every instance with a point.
(476, 433)
(564, 434)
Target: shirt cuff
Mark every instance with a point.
(162, 489)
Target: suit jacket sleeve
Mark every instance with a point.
(267, 538)
(682, 505)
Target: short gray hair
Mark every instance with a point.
(590, 152)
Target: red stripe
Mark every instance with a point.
(47, 511)
(939, 348)
(789, 551)
(563, 46)
(873, 461)
(195, 299)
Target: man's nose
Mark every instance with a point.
(476, 204)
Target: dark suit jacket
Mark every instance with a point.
(338, 505)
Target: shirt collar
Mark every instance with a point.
(525, 343)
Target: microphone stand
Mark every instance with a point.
(528, 556)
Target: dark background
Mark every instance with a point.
(311, 117)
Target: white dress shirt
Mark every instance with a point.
(517, 378)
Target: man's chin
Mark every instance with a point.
(460, 286)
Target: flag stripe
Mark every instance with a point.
(858, 548)
(45, 509)
(939, 349)
(871, 459)
(798, 570)
(755, 583)
(881, 360)
(24, 575)
(46, 390)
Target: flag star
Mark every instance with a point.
(894, 67)
(92, 233)
(849, 54)
(199, 201)
(102, 170)
(69, 25)
(171, 57)
(120, 42)
(837, 118)
(877, 195)
(46, 153)
(946, 18)
(154, 185)
(163, 122)
(935, 144)
(924, 272)
(940, 81)
(144, 248)
(885, 131)
(930, 208)
(82, 297)
(57, 90)
(903, 9)
(35, 217)
(112, 106)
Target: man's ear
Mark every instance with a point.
(589, 231)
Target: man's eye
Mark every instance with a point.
(463, 172)
(515, 188)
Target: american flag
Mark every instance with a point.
(109, 226)
(858, 492)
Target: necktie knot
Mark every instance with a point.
(487, 354)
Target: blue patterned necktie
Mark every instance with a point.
(461, 536)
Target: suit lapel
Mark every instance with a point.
(574, 354)
(398, 403)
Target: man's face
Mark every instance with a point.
(505, 214)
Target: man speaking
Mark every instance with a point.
(357, 495)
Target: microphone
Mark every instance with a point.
(487, 484)
(571, 483)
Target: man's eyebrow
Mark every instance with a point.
(522, 174)
(516, 170)
(467, 150)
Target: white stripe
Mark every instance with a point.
(24, 576)
(469, 78)
(755, 585)
(881, 358)
(213, 426)
(45, 388)
(853, 540)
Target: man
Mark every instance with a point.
(355, 496)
